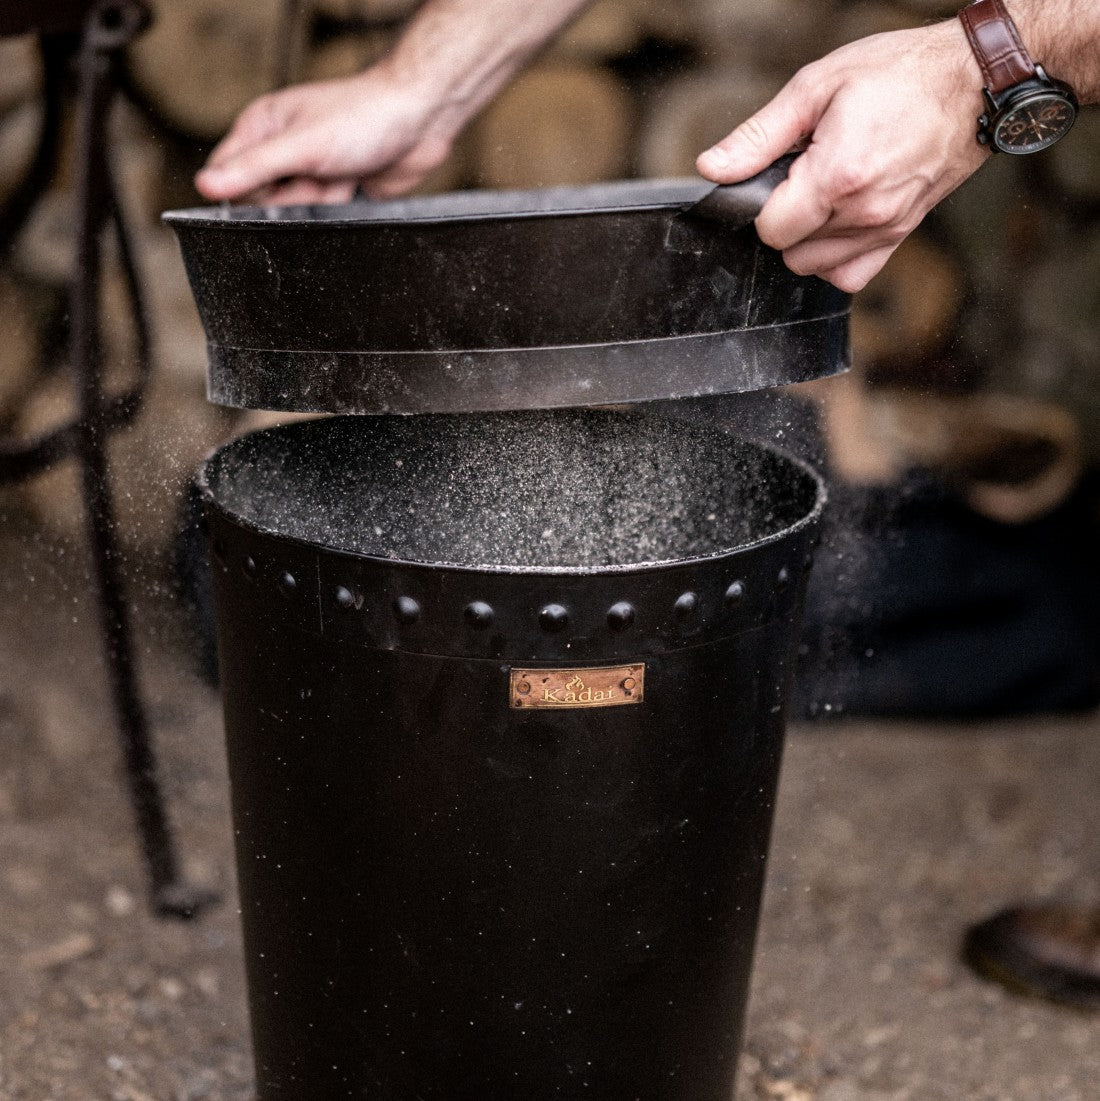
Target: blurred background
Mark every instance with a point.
(959, 579)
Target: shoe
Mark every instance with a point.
(1047, 951)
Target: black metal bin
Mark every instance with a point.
(504, 701)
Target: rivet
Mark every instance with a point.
(783, 578)
(249, 566)
(553, 617)
(287, 582)
(478, 614)
(620, 616)
(686, 604)
(523, 688)
(629, 685)
(735, 594)
(406, 609)
(345, 597)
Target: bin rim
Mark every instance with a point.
(808, 519)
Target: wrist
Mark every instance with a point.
(959, 68)
(455, 55)
(427, 84)
(1061, 36)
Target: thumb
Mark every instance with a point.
(763, 138)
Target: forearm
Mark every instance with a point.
(1064, 37)
(459, 53)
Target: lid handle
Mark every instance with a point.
(737, 205)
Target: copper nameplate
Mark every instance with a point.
(611, 686)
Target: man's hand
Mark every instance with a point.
(888, 124)
(314, 143)
(387, 128)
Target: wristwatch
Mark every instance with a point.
(1026, 109)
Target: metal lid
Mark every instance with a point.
(612, 293)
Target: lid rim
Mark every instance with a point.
(503, 379)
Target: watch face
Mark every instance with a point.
(1034, 123)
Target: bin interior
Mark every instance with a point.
(567, 490)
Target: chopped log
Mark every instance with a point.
(20, 70)
(910, 310)
(856, 450)
(557, 124)
(852, 21)
(778, 36)
(202, 61)
(692, 112)
(345, 55)
(1054, 349)
(609, 28)
(667, 21)
(1014, 458)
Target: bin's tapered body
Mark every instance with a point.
(501, 833)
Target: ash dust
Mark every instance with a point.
(549, 491)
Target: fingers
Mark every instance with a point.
(387, 185)
(835, 244)
(252, 167)
(303, 191)
(767, 135)
(854, 275)
(261, 119)
(847, 258)
(400, 176)
(797, 208)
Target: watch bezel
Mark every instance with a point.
(1012, 100)
(1018, 104)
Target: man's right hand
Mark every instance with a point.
(888, 128)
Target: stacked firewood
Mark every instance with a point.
(996, 293)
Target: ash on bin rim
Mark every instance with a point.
(472, 493)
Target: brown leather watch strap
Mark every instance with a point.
(996, 43)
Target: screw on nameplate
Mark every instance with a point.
(609, 686)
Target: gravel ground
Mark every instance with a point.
(889, 839)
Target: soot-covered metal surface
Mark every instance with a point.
(582, 296)
(570, 490)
